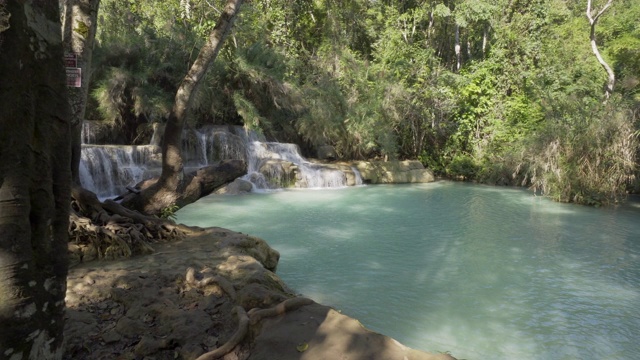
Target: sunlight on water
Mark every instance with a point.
(482, 272)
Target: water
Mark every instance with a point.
(108, 169)
(482, 272)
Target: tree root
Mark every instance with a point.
(107, 230)
(238, 336)
(254, 316)
(222, 282)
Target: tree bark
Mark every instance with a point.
(166, 191)
(78, 34)
(593, 20)
(35, 181)
(194, 186)
(172, 160)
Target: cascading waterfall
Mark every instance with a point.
(108, 169)
(214, 143)
(272, 165)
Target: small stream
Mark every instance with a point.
(481, 272)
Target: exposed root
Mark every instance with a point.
(243, 329)
(221, 281)
(107, 230)
(256, 315)
(245, 320)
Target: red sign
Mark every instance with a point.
(74, 77)
(70, 60)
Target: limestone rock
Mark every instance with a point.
(278, 173)
(393, 172)
(327, 334)
(238, 186)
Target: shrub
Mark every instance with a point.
(589, 161)
(463, 167)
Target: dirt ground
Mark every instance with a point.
(151, 307)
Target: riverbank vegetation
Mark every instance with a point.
(499, 92)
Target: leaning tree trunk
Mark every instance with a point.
(593, 20)
(78, 33)
(194, 186)
(34, 180)
(168, 190)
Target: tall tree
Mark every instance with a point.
(172, 160)
(593, 20)
(78, 32)
(173, 188)
(35, 180)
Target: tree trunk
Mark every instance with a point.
(485, 37)
(593, 20)
(166, 191)
(430, 27)
(35, 181)
(194, 186)
(78, 34)
(458, 49)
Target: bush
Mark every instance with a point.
(589, 161)
(463, 167)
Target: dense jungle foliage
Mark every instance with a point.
(497, 91)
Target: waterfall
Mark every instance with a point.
(108, 169)
(88, 134)
(210, 144)
(275, 165)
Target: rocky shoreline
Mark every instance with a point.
(189, 297)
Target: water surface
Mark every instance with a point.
(481, 272)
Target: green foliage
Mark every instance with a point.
(169, 212)
(248, 112)
(589, 160)
(345, 107)
(322, 122)
(477, 100)
(122, 93)
(463, 167)
(82, 29)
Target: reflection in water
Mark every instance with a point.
(483, 272)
